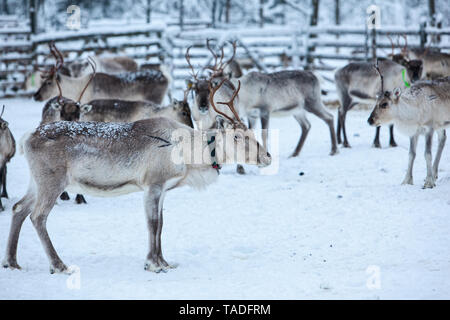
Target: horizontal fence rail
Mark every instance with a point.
(267, 49)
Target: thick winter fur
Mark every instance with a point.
(150, 85)
(7, 151)
(359, 82)
(421, 109)
(110, 65)
(109, 159)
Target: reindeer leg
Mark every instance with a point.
(429, 181)
(412, 156)
(376, 140)
(79, 199)
(45, 201)
(338, 125)
(305, 125)
(320, 111)
(64, 196)
(392, 142)
(265, 116)
(4, 192)
(20, 211)
(442, 137)
(344, 132)
(153, 207)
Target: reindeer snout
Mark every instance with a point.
(370, 121)
(37, 96)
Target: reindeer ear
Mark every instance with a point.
(85, 108)
(176, 104)
(397, 92)
(56, 106)
(4, 125)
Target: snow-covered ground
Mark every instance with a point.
(346, 228)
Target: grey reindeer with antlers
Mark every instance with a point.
(110, 159)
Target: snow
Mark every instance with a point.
(324, 234)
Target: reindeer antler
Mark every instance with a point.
(3, 110)
(220, 66)
(392, 43)
(93, 66)
(188, 59)
(229, 103)
(381, 76)
(405, 47)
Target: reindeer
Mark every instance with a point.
(435, 64)
(109, 159)
(113, 110)
(110, 65)
(356, 83)
(281, 93)
(7, 151)
(421, 109)
(148, 85)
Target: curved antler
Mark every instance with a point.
(188, 59)
(220, 66)
(381, 76)
(229, 103)
(93, 66)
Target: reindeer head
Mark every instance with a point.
(182, 112)
(60, 109)
(414, 68)
(201, 86)
(383, 113)
(237, 143)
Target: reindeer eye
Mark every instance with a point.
(49, 82)
(384, 105)
(184, 113)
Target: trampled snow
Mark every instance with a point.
(322, 227)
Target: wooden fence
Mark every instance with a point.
(269, 48)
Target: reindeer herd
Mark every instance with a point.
(105, 132)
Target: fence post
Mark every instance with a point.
(181, 14)
(149, 10)
(374, 44)
(33, 16)
(423, 35)
(366, 43)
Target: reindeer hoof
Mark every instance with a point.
(5, 195)
(59, 268)
(393, 144)
(376, 145)
(80, 199)
(64, 196)
(240, 169)
(158, 265)
(346, 145)
(11, 265)
(429, 184)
